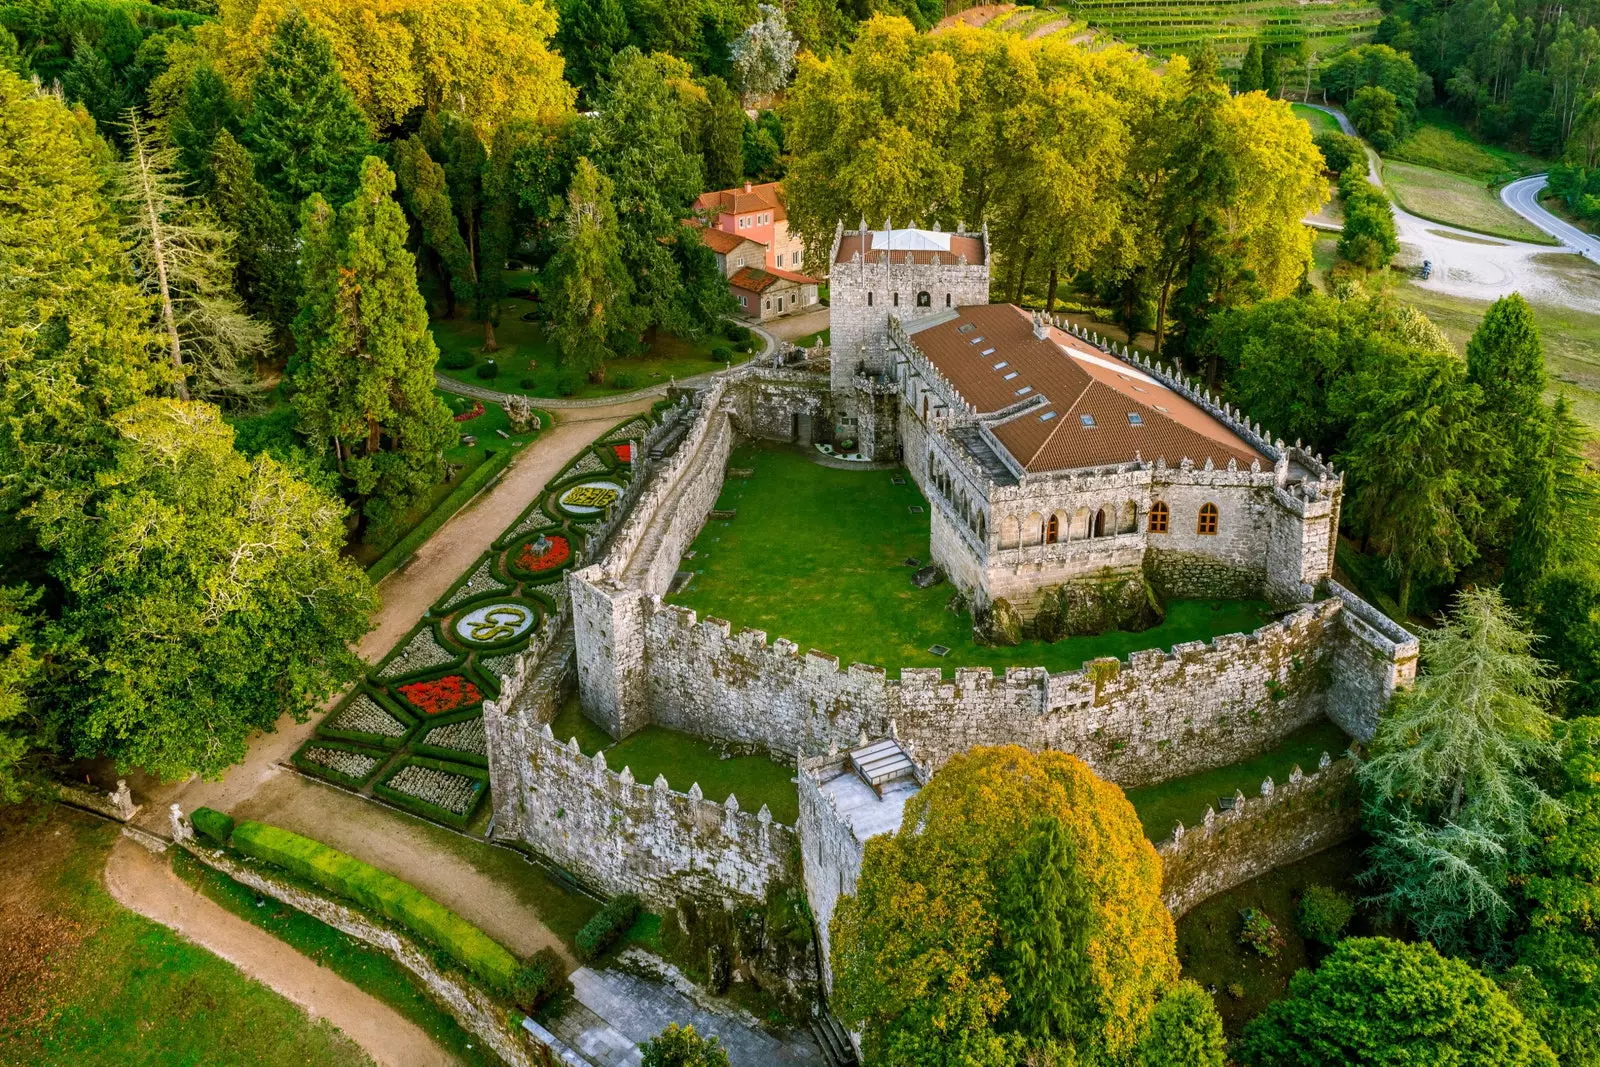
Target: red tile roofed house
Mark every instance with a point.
(748, 229)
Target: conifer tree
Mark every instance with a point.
(305, 130)
(366, 358)
(587, 300)
(1185, 1031)
(590, 33)
(183, 259)
(207, 109)
(1558, 515)
(1250, 70)
(426, 196)
(265, 275)
(1505, 358)
(722, 136)
(1043, 937)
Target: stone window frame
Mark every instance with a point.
(1052, 529)
(924, 299)
(1208, 520)
(1160, 517)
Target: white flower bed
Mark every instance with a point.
(482, 581)
(365, 715)
(534, 520)
(420, 653)
(588, 464)
(499, 666)
(355, 765)
(637, 430)
(462, 736)
(452, 792)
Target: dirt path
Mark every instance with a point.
(405, 595)
(144, 883)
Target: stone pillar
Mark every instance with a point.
(181, 830)
(608, 630)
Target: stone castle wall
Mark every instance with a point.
(1154, 716)
(1379, 657)
(831, 858)
(1285, 823)
(623, 836)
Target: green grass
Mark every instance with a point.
(1208, 936)
(1186, 799)
(117, 990)
(381, 892)
(526, 354)
(1457, 200)
(1444, 144)
(816, 555)
(685, 760)
(811, 340)
(349, 958)
(1319, 121)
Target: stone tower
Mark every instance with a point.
(910, 274)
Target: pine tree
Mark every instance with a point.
(722, 136)
(1043, 938)
(207, 109)
(425, 195)
(365, 356)
(1250, 70)
(305, 130)
(1505, 358)
(586, 302)
(182, 258)
(590, 33)
(265, 276)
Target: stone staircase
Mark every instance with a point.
(882, 762)
(834, 1041)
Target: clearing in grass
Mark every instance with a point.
(1457, 200)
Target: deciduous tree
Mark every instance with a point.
(1185, 1031)
(587, 296)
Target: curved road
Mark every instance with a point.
(1522, 196)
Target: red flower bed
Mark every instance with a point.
(468, 416)
(554, 556)
(441, 695)
(624, 452)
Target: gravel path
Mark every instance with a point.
(143, 882)
(1471, 265)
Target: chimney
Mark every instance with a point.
(747, 187)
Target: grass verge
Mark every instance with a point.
(351, 959)
(85, 982)
(1457, 200)
(1319, 121)
(1186, 799)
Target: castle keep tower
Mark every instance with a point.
(910, 274)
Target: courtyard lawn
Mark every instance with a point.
(526, 363)
(685, 760)
(1457, 200)
(818, 555)
(1186, 799)
(1319, 121)
(84, 981)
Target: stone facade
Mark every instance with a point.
(1285, 823)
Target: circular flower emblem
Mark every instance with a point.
(590, 497)
(494, 624)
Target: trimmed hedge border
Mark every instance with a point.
(447, 625)
(418, 806)
(494, 462)
(422, 747)
(608, 924)
(424, 717)
(379, 891)
(212, 825)
(404, 715)
(456, 662)
(317, 770)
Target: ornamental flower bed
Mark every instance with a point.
(420, 653)
(532, 561)
(624, 452)
(466, 736)
(439, 696)
(468, 416)
(364, 719)
(435, 789)
(349, 764)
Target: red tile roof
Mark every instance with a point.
(998, 363)
(753, 279)
(723, 241)
(767, 196)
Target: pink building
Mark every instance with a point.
(749, 230)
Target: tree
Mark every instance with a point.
(265, 274)
(1250, 69)
(305, 131)
(1369, 239)
(722, 136)
(1185, 1031)
(205, 595)
(763, 56)
(1505, 359)
(207, 109)
(427, 198)
(20, 670)
(74, 331)
(1449, 783)
(1564, 605)
(944, 912)
(1341, 152)
(1381, 1003)
(586, 300)
(489, 60)
(365, 356)
(183, 259)
(680, 1046)
(590, 32)
(1376, 114)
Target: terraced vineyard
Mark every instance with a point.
(1165, 28)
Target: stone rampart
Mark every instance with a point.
(1377, 657)
(1284, 823)
(1151, 717)
(623, 836)
(475, 1010)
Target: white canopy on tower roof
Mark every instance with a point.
(910, 241)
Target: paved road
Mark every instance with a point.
(1522, 196)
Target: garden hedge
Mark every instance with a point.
(493, 463)
(212, 825)
(608, 924)
(383, 893)
(422, 747)
(405, 716)
(540, 980)
(318, 770)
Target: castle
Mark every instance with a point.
(1052, 464)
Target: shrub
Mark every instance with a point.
(1323, 914)
(568, 383)
(527, 382)
(457, 360)
(721, 354)
(746, 345)
(608, 924)
(1260, 933)
(538, 981)
(487, 369)
(623, 380)
(736, 333)
(383, 893)
(213, 826)
(680, 1046)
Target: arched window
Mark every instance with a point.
(869, 300)
(983, 529)
(924, 300)
(1100, 523)
(1128, 518)
(1158, 517)
(947, 300)
(896, 299)
(924, 407)
(1208, 519)
(1052, 530)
